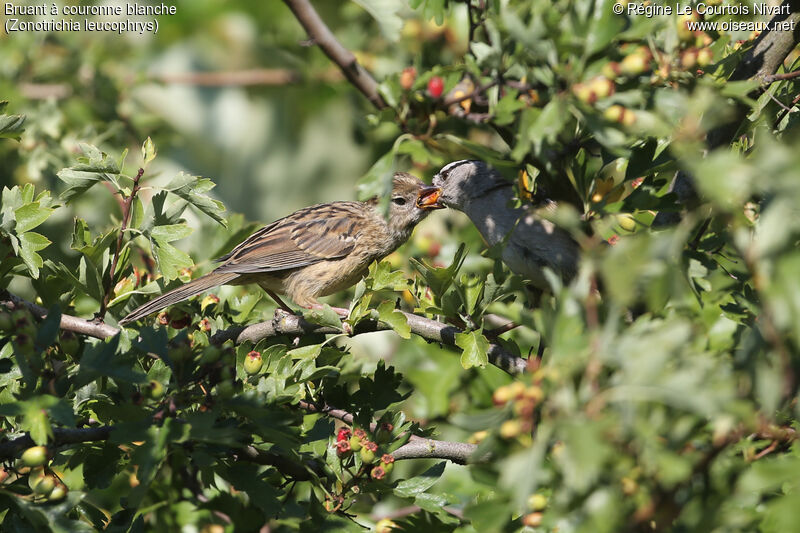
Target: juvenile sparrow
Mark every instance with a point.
(485, 196)
(313, 252)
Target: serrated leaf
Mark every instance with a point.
(93, 167)
(193, 189)
(439, 279)
(29, 244)
(305, 352)
(170, 232)
(30, 215)
(381, 276)
(170, 259)
(11, 126)
(475, 348)
(394, 319)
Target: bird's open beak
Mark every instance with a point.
(429, 198)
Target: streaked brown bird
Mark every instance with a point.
(316, 251)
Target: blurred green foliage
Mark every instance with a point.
(665, 400)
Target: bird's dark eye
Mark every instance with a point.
(399, 200)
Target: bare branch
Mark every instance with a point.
(431, 330)
(61, 436)
(344, 58)
(418, 448)
(781, 77)
(69, 323)
(285, 324)
(262, 76)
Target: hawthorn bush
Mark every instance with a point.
(656, 391)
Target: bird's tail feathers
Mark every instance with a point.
(179, 294)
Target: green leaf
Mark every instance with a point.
(439, 279)
(30, 215)
(193, 189)
(305, 352)
(29, 244)
(170, 259)
(604, 27)
(377, 182)
(471, 290)
(171, 232)
(10, 125)
(475, 348)
(93, 167)
(385, 13)
(49, 328)
(394, 319)
(381, 276)
(411, 487)
(148, 151)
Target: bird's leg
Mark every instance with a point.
(278, 301)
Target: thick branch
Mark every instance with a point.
(61, 436)
(428, 329)
(419, 448)
(285, 324)
(69, 323)
(322, 36)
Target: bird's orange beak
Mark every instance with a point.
(428, 198)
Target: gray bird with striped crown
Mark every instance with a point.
(486, 197)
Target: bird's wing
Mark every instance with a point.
(310, 235)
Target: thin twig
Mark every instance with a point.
(780, 77)
(785, 112)
(780, 104)
(321, 35)
(126, 213)
(696, 241)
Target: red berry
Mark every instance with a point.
(435, 86)
(344, 434)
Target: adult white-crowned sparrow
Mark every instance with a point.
(313, 252)
(485, 197)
